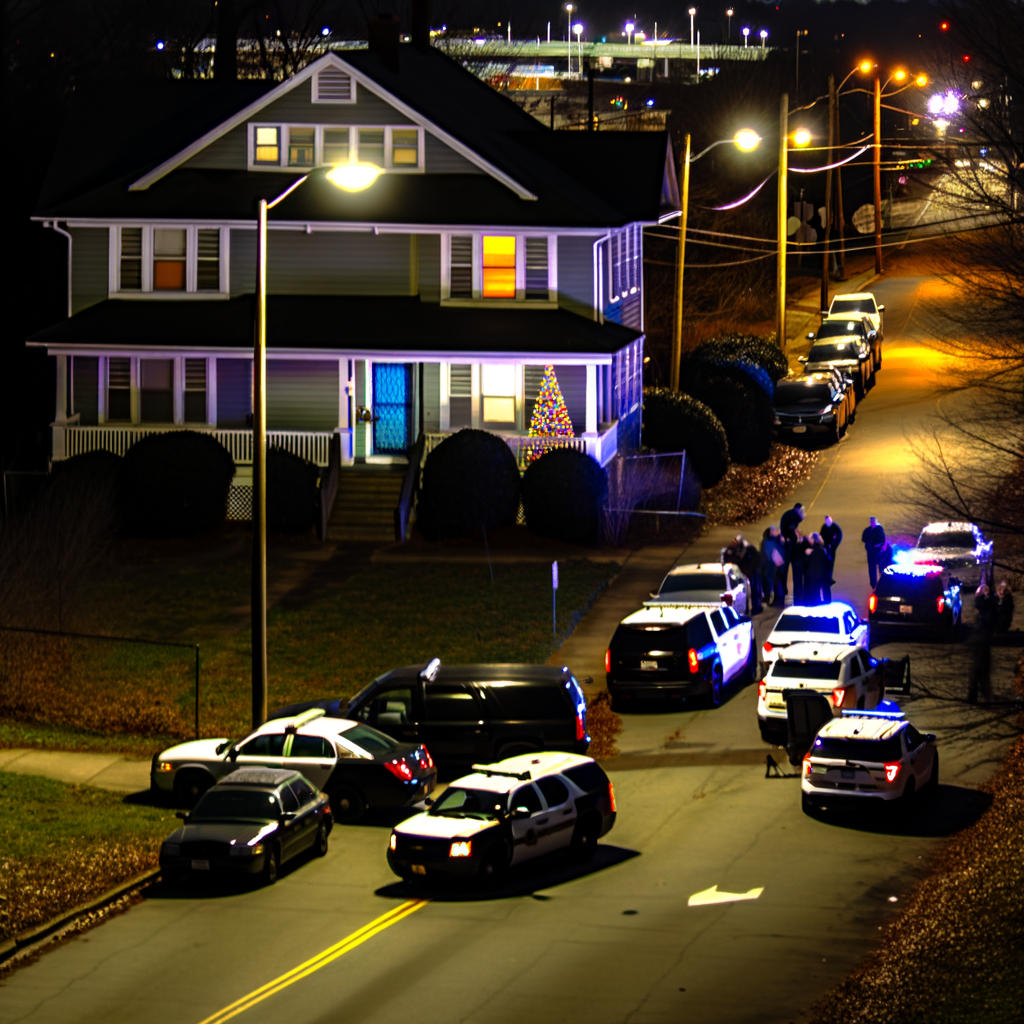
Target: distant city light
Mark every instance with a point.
(746, 31)
(160, 46)
(650, 103)
(944, 103)
(325, 31)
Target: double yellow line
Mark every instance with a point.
(329, 955)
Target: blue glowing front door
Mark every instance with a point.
(392, 408)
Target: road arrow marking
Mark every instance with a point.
(712, 895)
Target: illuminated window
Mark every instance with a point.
(268, 145)
(498, 390)
(169, 259)
(371, 146)
(335, 146)
(131, 259)
(499, 267)
(405, 147)
(301, 147)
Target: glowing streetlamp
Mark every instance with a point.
(693, 11)
(578, 30)
(764, 36)
(629, 33)
(729, 12)
(569, 8)
(746, 35)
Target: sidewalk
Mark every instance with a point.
(107, 771)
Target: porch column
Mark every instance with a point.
(211, 392)
(101, 401)
(346, 411)
(178, 390)
(60, 419)
(477, 420)
(135, 382)
(590, 431)
(444, 389)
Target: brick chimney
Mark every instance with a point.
(421, 12)
(384, 36)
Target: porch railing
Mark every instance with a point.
(601, 447)
(313, 445)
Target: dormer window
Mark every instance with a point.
(395, 149)
(164, 261)
(511, 268)
(268, 145)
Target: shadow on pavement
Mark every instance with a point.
(950, 809)
(523, 880)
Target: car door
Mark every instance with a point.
(263, 751)
(735, 639)
(561, 810)
(394, 710)
(314, 756)
(737, 587)
(290, 829)
(307, 821)
(871, 680)
(529, 818)
(453, 722)
(921, 755)
(726, 652)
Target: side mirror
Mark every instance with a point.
(810, 336)
(429, 801)
(930, 737)
(587, 680)
(233, 754)
(654, 593)
(802, 359)
(183, 815)
(521, 812)
(881, 309)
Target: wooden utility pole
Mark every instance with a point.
(878, 174)
(827, 219)
(783, 218)
(677, 331)
(840, 218)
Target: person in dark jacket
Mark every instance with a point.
(832, 537)
(744, 555)
(873, 539)
(789, 527)
(773, 562)
(1003, 611)
(980, 641)
(798, 559)
(817, 572)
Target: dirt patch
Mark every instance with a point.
(604, 725)
(748, 493)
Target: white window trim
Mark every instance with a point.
(191, 264)
(334, 103)
(318, 145)
(520, 301)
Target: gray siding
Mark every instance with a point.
(572, 382)
(85, 372)
(90, 267)
(302, 394)
(430, 377)
(234, 393)
(430, 268)
(576, 274)
(440, 158)
(242, 255)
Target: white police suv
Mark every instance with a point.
(868, 755)
(834, 623)
(504, 814)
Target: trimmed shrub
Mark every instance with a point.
(470, 482)
(757, 373)
(95, 477)
(293, 486)
(761, 350)
(564, 494)
(176, 484)
(675, 421)
(743, 408)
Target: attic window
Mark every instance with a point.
(268, 145)
(333, 86)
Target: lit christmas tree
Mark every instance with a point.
(550, 416)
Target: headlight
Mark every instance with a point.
(247, 851)
(394, 841)
(164, 766)
(462, 849)
(170, 850)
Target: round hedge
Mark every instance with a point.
(564, 494)
(743, 408)
(470, 481)
(760, 350)
(293, 486)
(176, 484)
(96, 476)
(675, 421)
(757, 373)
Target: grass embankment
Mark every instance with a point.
(96, 695)
(63, 845)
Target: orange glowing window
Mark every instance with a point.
(169, 259)
(499, 267)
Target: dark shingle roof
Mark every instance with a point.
(372, 324)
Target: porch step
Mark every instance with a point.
(364, 509)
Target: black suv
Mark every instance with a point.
(465, 714)
(811, 403)
(915, 600)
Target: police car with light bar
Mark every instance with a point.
(834, 623)
(504, 814)
(959, 547)
(847, 676)
(868, 755)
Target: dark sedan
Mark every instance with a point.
(249, 824)
(835, 327)
(811, 404)
(913, 600)
(850, 353)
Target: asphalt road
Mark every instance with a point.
(615, 942)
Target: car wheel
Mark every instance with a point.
(809, 807)
(515, 749)
(834, 434)
(321, 843)
(933, 780)
(494, 865)
(190, 785)
(584, 839)
(271, 866)
(871, 377)
(749, 674)
(842, 427)
(170, 878)
(908, 791)
(716, 687)
(347, 804)
(858, 387)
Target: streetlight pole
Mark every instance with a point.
(693, 11)
(729, 13)
(568, 35)
(746, 36)
(827, 225)
(878, 173)
(259, 480)
(677, 332)
(783, 217)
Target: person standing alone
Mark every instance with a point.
(873, 539)
(789, 525)
(831, 537)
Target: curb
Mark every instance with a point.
(33, 939)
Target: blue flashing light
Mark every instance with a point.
(891, 716)
(983, 151)
(913, 569)
(325, 31)
(650, 103)
(160, 45)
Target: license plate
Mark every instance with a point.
(419, 869)
(799, 430)
(648, 666)
(906, 609)
(200, 865)
(818, 769)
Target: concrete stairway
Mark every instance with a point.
(364, 509)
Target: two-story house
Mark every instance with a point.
(487, 249)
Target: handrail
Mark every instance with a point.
(410, 487)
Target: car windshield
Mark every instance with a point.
(948, 539)
(794, 622)
(855, 749)
(814, 395)
(457, 802)
(687, 581)
(840, 329)
(229, 804)
(372, 741)
(833, 352)
(825, 670)
(846, 307)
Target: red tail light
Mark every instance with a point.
(767, 647)
(892, 770)
(611, 796)
(608, 660)
(762, 689)
(693, 661)
(837, 697)
(807, 763)
(581, 732)
(727, 599)
(400, 770)
(427, 757)
(940, 604)
(873, 603)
